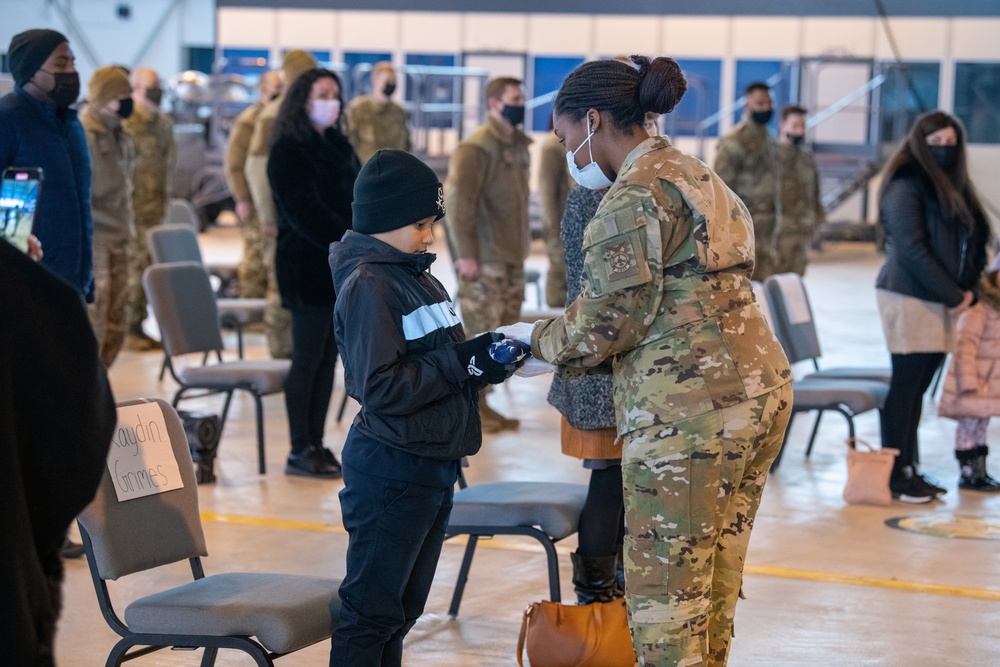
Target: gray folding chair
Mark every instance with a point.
(846, 396)
(186, 310)
(263, 615)
(545, 511)
(793, 318)
(179, 243)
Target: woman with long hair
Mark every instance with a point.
(701, 387)
(312, 169)
(935, 251)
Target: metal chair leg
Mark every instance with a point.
(261, 467)
(163, 367)
(553, 562)
(463, 575)
(343, 406)
(208, 657)
(815, 430)
(225, 409)
(784, 442)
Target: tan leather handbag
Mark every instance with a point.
(868, 471)
(562, 635)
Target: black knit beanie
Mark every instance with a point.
(29, 50)
(393, 190)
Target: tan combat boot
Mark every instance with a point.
(493, 421)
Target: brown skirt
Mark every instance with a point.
(599, 443)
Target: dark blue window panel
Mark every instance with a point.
(358, 83)
(250, 63)
(699, 102)
(977, 101)
(547, 75)
(902, 102)
(200, 59)
(748, 71)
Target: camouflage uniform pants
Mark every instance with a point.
(791, 252)
(555, 281)
(492, 300)
(252, 272)
(692, 490)
(277, 320)
(138, 262)
(763, 233)
(109, 312)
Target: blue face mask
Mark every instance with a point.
(591, 176)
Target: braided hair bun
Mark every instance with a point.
(661, 83)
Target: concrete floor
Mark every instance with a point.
(826, 584)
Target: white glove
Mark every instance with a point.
(532, 367)
(519, 332)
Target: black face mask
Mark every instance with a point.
(389, 89)
(514, 115)
(762, 117)
(154, 95)
(796, 139)
(945, 156)
(125, 107)
(67, 89)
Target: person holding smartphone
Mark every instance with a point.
(39, 129)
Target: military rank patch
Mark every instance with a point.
(621, 260)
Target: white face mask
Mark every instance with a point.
(324, 113)
(591, 176)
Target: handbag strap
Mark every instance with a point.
(523, 634)
(854, 442)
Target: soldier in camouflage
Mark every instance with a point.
(701, 387)
(487, 202)
(152, 135)
(277, 320)
(745, 161)
(375, 121)
(252, 272)
(801, 212)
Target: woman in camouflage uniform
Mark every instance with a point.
(702, 388)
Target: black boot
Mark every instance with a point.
(593, 578)
(973, 465)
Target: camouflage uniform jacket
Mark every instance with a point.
(745, 162)
(666, 295)
(255, 167)
(486, 196)
(801, 205)
(111, 157)
(372, 125)
(237, 149)
(153, 138)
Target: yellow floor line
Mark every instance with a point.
(754, 570)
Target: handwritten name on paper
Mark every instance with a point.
(141, 460)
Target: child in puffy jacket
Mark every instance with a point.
(972, 387)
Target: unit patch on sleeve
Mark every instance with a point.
(621, 259)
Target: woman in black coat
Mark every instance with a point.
(312, 169)
(935, 250)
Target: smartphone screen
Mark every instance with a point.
(18, 198)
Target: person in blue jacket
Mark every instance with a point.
(406, 361)
(38, 129)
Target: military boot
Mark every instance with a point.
(974, 477)
(593, 578)
(493, 421)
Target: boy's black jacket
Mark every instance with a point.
(396, 330)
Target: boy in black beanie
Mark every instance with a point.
(406, 361)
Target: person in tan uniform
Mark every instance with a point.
(554, 184)
(252, 272)
(277, 320)
(375, 121)
(487, 203)
(111, 158)
(745, 161)
(152, 135)
(801, 213)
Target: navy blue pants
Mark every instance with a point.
(396, 530)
